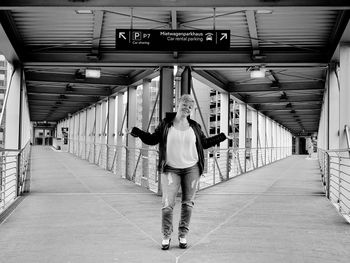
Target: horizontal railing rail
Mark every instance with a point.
(14, 174)
(335, 172)
(140, 164)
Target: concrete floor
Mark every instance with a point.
(78, 212)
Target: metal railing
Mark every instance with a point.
(335, 172)
(140, 164)
(224, 164)
(14, 176)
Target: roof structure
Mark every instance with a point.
(295, 42)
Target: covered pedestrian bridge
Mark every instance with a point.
(75, 75)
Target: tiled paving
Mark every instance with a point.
(77, 212)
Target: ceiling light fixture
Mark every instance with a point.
(83, 11)
(92, 73)
(257, 72)
(264, 11)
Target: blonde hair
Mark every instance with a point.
(186, 98)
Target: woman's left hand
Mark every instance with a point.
(229, 137)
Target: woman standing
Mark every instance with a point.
(181, 162)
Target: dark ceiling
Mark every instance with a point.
(295, 41)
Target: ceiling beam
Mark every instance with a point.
(271, 75)
(155, 59)
(179, 4)
(286, 86)
(98, 22)
(61, 85)
(305, 113)
(337, 32)
(10, 40)
(139, 76)
(67, 101)
(294, 119)
(253, 32)
(291, 99)
(211, 79)
(41, 91)
(282, 107)
(62, 104)
(70, 78)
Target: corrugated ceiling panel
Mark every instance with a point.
(225, 19)
(53, 28)
(142, 19)
(110, 71)
(301, 28)
(241, 76)
(300, 74)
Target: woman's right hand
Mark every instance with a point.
(124, 132)
(129, 132)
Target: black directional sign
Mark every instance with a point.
(172, 40)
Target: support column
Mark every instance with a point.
(242, 135)
(166, 102)
(71, 134)
(131, 141)
(98, 132)
(146, 105)
(268, 139)
(254, 146)
(344, 95)
(166, 91)
(279, 144)
(186, 81)
(333, 129)
(119, 149)
(91, 121)
(85, 131)
(297, 145)
(262, 141)
(273, 140)
(224, 127)
(110, 132)
(78, 123)
(104, 125)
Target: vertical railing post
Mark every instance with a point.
(214, 158)
(18, 174)
(228, 164)
(339, 182)
(245, 160)
(328, 180)
(2, 182)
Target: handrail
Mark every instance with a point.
(15, 150)
(14, 176)
(335, 174)
(346, 129)
(221, 164)
(337, 150)
(6, 96)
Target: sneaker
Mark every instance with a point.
(182, 242)
(166, 243)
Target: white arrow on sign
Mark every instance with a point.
(121, 35)
(224, 36)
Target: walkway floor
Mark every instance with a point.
(78, 212)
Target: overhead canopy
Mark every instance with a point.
(292, 41)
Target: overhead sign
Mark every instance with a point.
(172, 40)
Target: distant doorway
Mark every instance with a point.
(302, 144)
(43, 136)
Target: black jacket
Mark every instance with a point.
(160, 136)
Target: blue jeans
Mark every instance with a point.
(171, 179)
